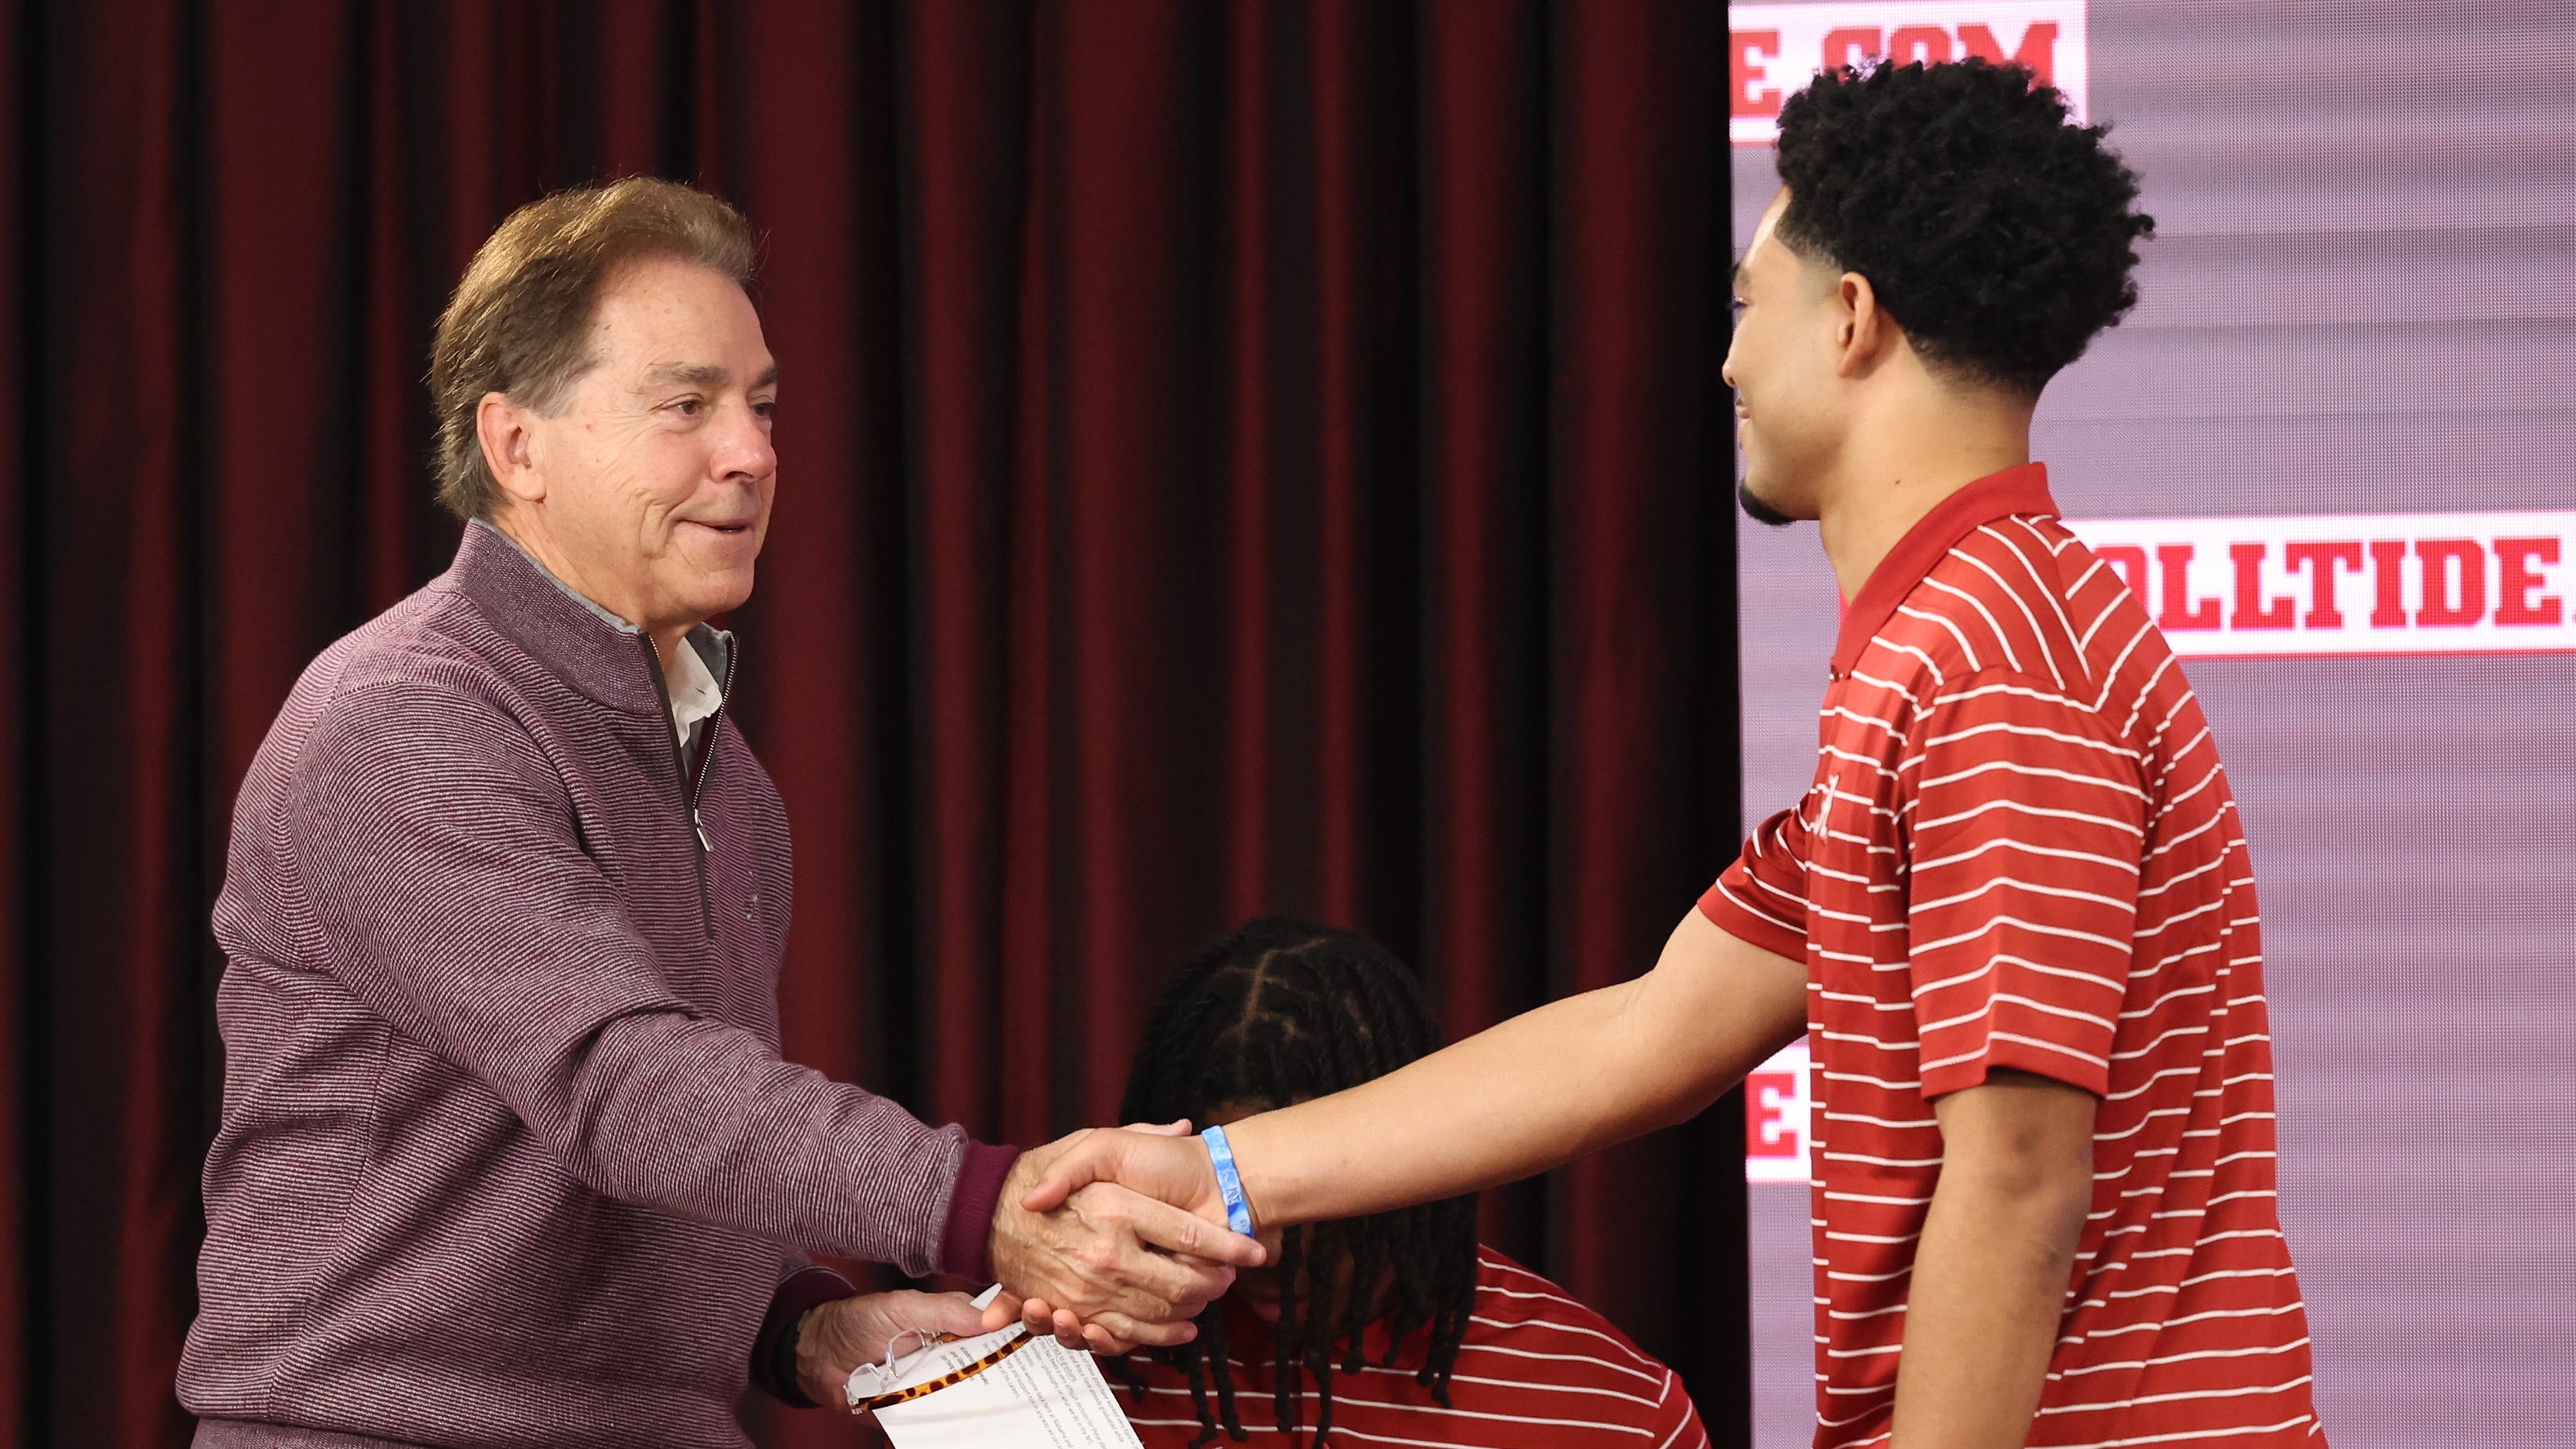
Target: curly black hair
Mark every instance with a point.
(1998, 236)
(1282, 1010)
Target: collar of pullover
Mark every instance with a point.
(598, 654)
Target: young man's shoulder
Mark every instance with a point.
(2004, 598)
(2020, 603)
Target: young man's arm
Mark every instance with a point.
(1991, 1270)
(1537, 1091)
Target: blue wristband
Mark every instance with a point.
(1238, 1213)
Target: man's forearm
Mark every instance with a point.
(1991, 1269)
(1541, 1089)
(700, 1117)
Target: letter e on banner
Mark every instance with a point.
(1746, 73)
(2518, 581)
(1768, 1132)
(1776, 1099)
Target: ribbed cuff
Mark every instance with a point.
(966, 1240)
(773, 1367)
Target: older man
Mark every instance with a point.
(508, 1153)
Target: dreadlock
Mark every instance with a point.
(1280, 1011)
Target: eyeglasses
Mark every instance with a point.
(875, 1402)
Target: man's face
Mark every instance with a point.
(658, 471)
(1788, 404)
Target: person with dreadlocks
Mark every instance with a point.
(1404, 1326)
(2014, 915)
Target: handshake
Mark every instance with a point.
(1081, 1252)
(1111, 1238)
(1334, 1216)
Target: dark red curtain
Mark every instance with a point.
(1238, 457)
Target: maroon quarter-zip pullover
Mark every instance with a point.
(508, 1153)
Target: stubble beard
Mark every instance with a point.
(1757, 510)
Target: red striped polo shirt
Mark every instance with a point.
(1536, 1370)
(2020, 851)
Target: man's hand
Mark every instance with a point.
(1106, 1268)
(834, 1338)
(1991, 1269)
(1163, 1165)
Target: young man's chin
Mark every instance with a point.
(1759, 511)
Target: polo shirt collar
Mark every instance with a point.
(2021, 489)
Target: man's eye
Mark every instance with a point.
(689, 407)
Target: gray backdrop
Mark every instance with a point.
(2363, 299)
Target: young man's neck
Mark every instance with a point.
(1916, 451)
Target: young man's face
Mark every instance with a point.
(1789, 411)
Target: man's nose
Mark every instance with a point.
(743, 445)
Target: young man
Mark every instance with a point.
(2014, 915)
(1395, 1327)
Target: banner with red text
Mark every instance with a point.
(2399, 583)
(1777, 48)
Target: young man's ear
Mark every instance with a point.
(507, 432)
(1864, 331)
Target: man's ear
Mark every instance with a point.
(1864, 333)
(507, 432)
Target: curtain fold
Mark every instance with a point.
(1238, 457)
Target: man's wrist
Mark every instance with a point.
(791, 1356)
(966, 1237)
(773, 1355)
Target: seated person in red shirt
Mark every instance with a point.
(1449, 1342)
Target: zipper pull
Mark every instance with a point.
(703, 843)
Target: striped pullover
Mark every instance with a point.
(2020, 852)
(508, 1155)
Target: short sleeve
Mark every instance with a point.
(2023, 816)
(1762, 898)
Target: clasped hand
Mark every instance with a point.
(1115, 1237)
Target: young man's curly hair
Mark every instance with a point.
(1998, 236)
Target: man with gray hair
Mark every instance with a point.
(508, 1152)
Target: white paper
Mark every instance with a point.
(1044, 1396)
